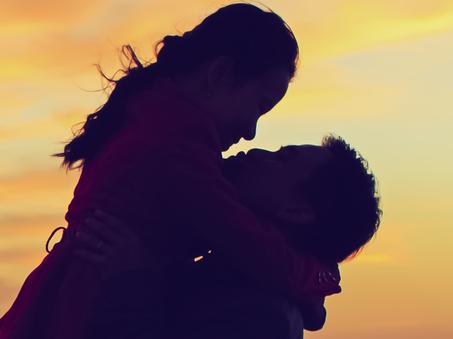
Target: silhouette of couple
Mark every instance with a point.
(165, 239)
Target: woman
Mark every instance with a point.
(152, 154)
(332, 215)
(335, 211)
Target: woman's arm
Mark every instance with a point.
(183, 185)
(193, 192)
(107, 242)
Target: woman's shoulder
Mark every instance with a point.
(163, 111)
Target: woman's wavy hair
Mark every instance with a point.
(255, 39)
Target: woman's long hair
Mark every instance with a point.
(255, 39)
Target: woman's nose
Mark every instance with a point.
(251, 132)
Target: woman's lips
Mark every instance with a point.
(236, 160)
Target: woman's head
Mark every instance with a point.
(245, 71)
(235, 107)
(254, 39)
(240, 58)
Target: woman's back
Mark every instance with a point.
(57, 295)
(128, 173)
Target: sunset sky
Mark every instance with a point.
(378, 73)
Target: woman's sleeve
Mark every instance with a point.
(191, 188)
(314, 315)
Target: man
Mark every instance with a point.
(322, 197)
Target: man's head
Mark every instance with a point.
(323, 197)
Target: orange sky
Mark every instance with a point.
(378, 73)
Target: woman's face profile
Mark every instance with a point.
(237, 107)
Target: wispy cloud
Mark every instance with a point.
(34, 193)
(337, 27)
(375, 259)
(47, 11)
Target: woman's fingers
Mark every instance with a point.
(323, 277)
(91, 243)
(113, 222)
(117, 226)
(333, 277)
(335, 272)
(86, 239)
(90, 256)
(328, 277)
(103, 230)
(328, 283)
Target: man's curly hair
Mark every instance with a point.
(343, 194)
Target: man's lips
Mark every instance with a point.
(236, 159)
(240, 155)
(235, 140)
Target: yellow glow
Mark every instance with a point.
(378, 73)
(197, 258)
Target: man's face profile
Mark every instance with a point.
(272, 183)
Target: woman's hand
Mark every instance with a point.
(107, 242)
(313, 310)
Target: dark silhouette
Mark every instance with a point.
(218, 301)
(152, 154)
(253, 40)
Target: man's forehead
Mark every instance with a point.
(299, 148)
(302, 152)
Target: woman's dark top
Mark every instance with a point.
(162, 173)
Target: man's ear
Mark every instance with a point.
(220, 72)
(297, 214)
